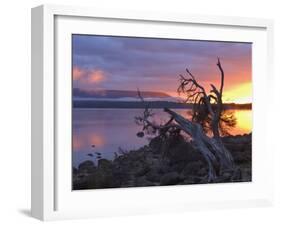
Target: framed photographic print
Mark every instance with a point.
(140, 112)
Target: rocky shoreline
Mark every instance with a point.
(169, 161)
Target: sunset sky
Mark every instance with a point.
(122, 63)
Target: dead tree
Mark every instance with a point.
(205, 107)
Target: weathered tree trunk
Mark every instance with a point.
(218, 158)
(216, 155)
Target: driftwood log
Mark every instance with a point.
(218, 158)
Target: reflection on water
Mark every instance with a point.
(244, 122)
(107, 130)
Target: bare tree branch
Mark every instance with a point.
(186, 87)
(222, 76)
(151, 127)
(207, 111)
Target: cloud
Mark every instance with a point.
(154, 64)
(88, 77)
(96, 76)
(77, 73)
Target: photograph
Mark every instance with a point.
(150, 111)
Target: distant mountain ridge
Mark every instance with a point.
(130, 99)
(117, 94)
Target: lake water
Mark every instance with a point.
(111, 129)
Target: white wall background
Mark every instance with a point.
(15, 111)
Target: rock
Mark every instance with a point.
(90, 176)
(181, 154)
(86, 166)
(203, 172)
(197, 180)
(170, 178)
(74, 170)
(104, 163)
(188, 180)
(103, 176)
(194, 168)
(142, 182)
(153, 176)
(237, 175)
(86, 163)
(246, 174)
(235, 147)
(142, 171)
(156, 145)
(238, 139)
(140, 134)
(165, 161)
(194, 180)
(79, 184)
(222, 179)
(242, 156)
(101, 179)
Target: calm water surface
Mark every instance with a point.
(111, 129)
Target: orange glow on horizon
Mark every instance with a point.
(240, 94)
(244, 122)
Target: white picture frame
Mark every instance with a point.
(52, 197)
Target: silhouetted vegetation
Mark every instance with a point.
(208, 116)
